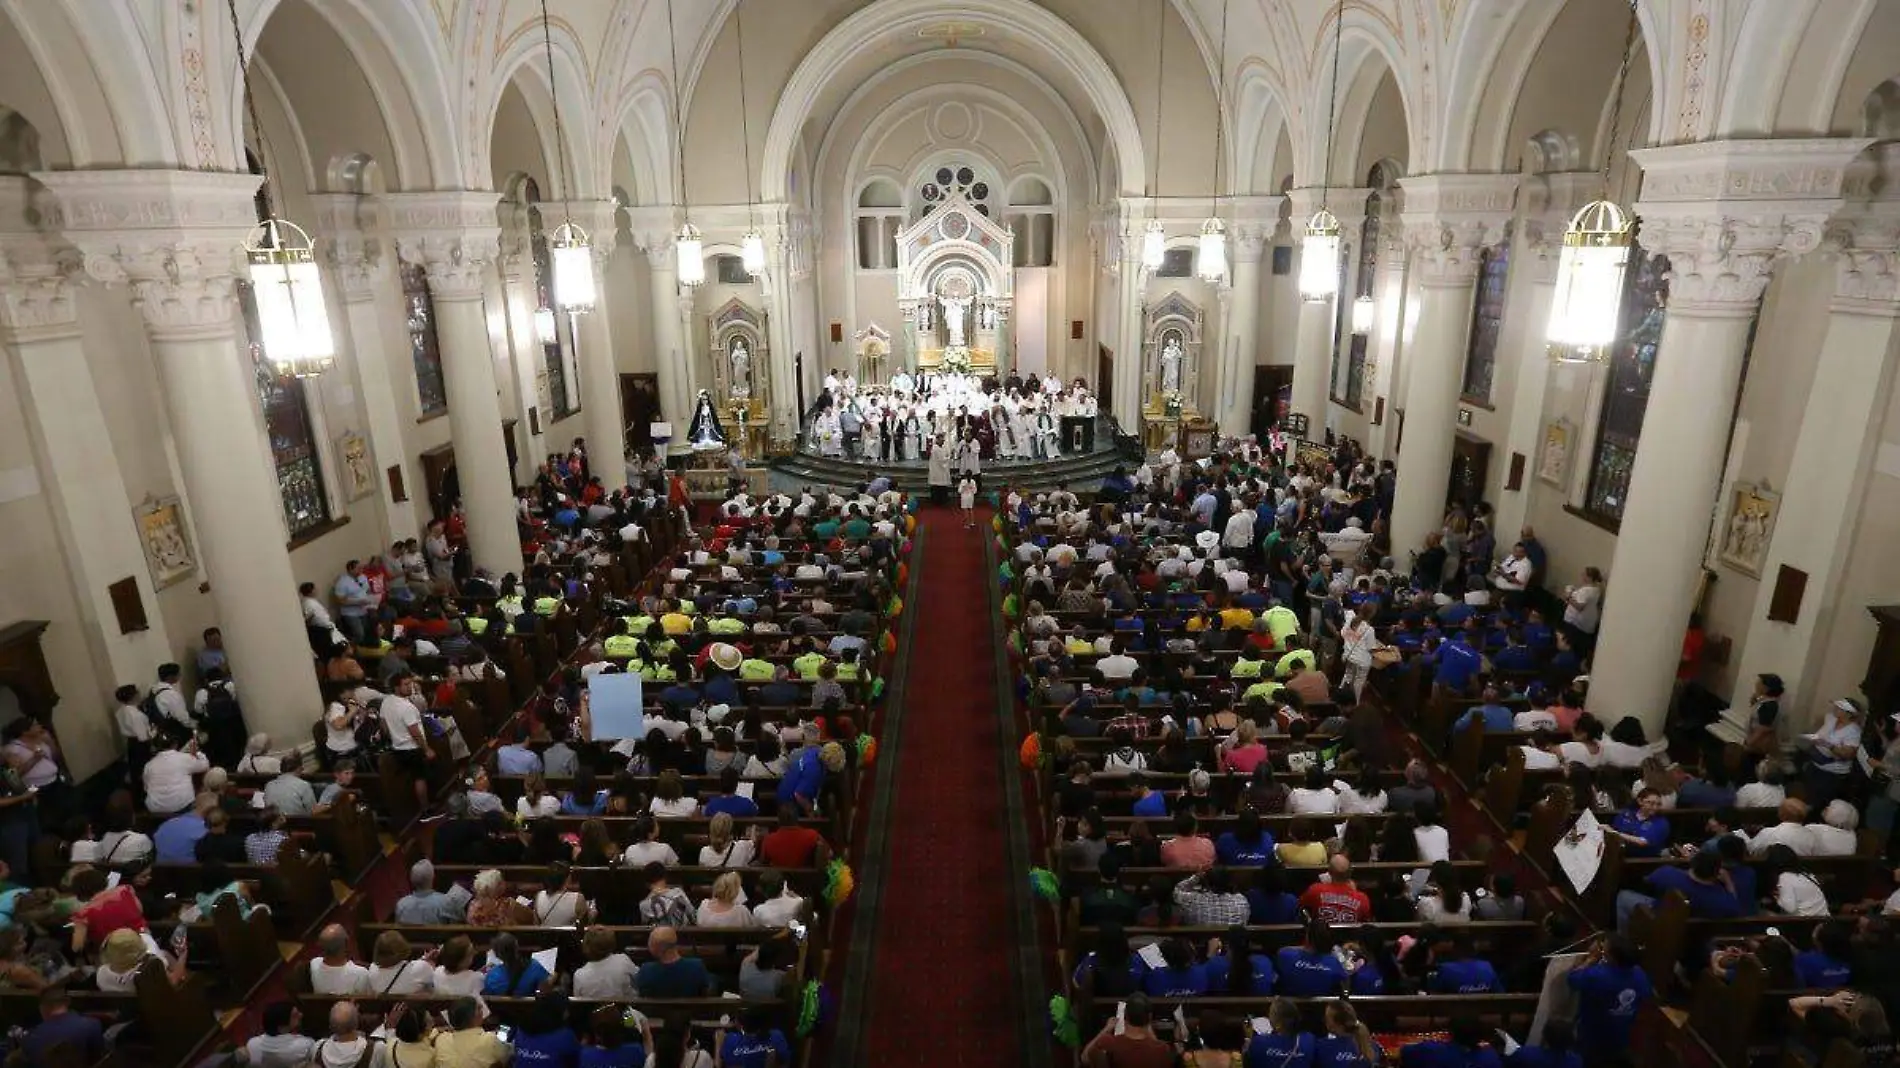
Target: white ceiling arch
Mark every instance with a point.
(858, 35)
(110, 107)
(526, 54)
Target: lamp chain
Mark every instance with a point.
(745, 119)
(1616, 100)
(1161, 70)
(1332, 109)
(1220, 106)
(257, 126)
(679, 132)
(554, 102)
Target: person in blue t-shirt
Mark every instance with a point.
(1247, 845)
(1269, 902)
(1456, 663)
(1611, 989)
(610, 1046)
(1284, 1045)
(1347, 1043)
(754, 1043)
(515, 973)
(1464, 1049)
(1459, 971)
(1179, 976)
(1310, 970)
(1553, 1052)
(1702, 884)
(545, 1040)
(1149, 803)
(1825, 967)
(1641, 826)
(1235, 969)
(1497, 718)
(802, 783)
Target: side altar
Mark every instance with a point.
(1171, 359)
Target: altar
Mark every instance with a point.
(955, 290)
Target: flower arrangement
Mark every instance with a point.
(956, 360)
(1171, 403)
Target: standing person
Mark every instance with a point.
(939, 464)
(136, 728)
(969, 457)
(1611, 990)
(966, 492)
(1583, 610)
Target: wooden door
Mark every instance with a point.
(1272, 397)
(1470, 467)
(640, 404)
(443, 483)
(1105, 382)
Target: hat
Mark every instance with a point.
(1849, 706)
(123, 950)
(726, 657)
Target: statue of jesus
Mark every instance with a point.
(741, 369)
(1171, 357)
(953, 311)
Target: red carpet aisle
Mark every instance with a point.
(943, 993)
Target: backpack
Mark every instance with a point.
(221, 705)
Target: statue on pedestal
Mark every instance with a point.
(741, 360)
(1172, 356)
(705, 434)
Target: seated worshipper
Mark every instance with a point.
(220, 842)
(608, 973)
(558, 903)
(120, 959)
(121, 845)
(664, 903)
(1791, 832)
(176, 840)
(168, 775)
(1642, 828)
(725, 907)
(1795, 890)
(1310, 969)
(1335, 898)
(1315, 796)
(394, 969)
(265, 845)
(258, 759)
(1188, 849)
(1458, 970)
(513, 973)
(333, 791)
(536, 802)
(1496, 717)
(288, 792)
(491, 906)
(670, 800)
(671, 974)
(646, 847)
(725, 850)
(60, 1026)
(1443, 900)
(466, 1042)
(424, 904)
(281, 1044)
(1836, 835)
(1300, 850)
(332, 971)
(1464, 1047)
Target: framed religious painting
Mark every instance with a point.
(1197, 439)
(359, 475)
(1748, 526)
(168, 551)
(1553, 454)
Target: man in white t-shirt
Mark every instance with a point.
(167, 776)
(408, 741)
(1512, 576)
(334, 972)
(1117, 665)
(779, 905)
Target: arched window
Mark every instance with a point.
(1349, 351)
(1032, 217)
(880, 214)
(286, 408)
(1487, 317)
(563, 387)
(425, 351)
(1626, 394)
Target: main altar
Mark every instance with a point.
(955, 289)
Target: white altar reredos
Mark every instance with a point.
(955, 287)
(740, 350)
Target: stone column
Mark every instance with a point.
(1834, 454)
(1125, 251)
(1448, 219)
(775, 293)
(670, 306)
(1313, 341)
(525, 351)
(39, 326)
(455, 238)
(1723, 212)
(606, 424)
(174, 237)
(1534, 263)
(363, 277)
(1235, 410)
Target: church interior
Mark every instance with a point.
(286, 283)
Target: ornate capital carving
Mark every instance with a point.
(1250, 242)
(1865, 244)
(1725, 211)
(1550, 202)
(350, 250)
(600, 218)
(37, 270)
(1450, 218)
(454, 236)
(662, 251)
(176, 237)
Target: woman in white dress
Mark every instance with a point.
(913, 436)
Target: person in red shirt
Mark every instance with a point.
(105, 910)
(792, 844)
(1338, 900)
(1692, 641)
(1188, 849)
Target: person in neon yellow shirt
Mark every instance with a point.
(725, 625)
(753, 669)
(620, 644)
(637, 625)
(806, 664)
(546, 606)
(1303, 657)
(1265, 689)
(1281, 622)
(1246, 669)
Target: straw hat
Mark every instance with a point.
(726, 657)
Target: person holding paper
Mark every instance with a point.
(1277, 1039)
(1642, 828)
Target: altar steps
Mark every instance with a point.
(1082, 472)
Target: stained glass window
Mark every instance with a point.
(1487, 316)
(424, 349)
(1626, 394)
(293, 444)
(1349, 378)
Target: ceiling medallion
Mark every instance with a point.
(950, 33)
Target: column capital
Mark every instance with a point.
(1725, 211)
(1342, 201)
(176, 237)
(1450, 218)
(1865, 244)
(1550, 200)
(348, 247)
(37, 270)
(453, 235)
(600, 218)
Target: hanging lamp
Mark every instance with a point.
(1154, 240)
(689, 247)
(293, 320)
(752, 246)
(1319, 246)
(1364, 310)
(1587, 304)
(570, 251)
(544, 327)
(1210, 258)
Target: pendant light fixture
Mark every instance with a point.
(1319, 247)
(752, 246)
(293, 321)
(544, 328)
(1585, 309)
(569, 249)
(1363, 310)
(1154, 241)
(689, 247)
(1210, 258)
